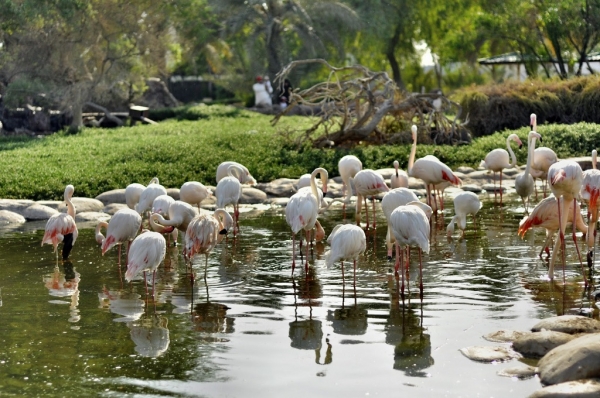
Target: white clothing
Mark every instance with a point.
(262, 96)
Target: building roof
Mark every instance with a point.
(512, 58)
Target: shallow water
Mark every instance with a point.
(254, 330)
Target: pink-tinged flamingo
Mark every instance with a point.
(145, 254)
(497, 160)
(180, 215)
(465, 203)
(524, 183)
(229, 192)
(545, 215)
(122, 227)
(390, 201)
(245, 176)
(399, 179)
(543, 158)
(347, 242)
(410, 227)
(153, 190)
(133, 192)
(194, 192)
(304, 183)
(348, 166)
(204, 232)
(302, 210)
(590, 192)
(566, 179)
(62, 228)
(429, 169)
(161, 206)
(367, 183)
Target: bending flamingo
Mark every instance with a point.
(180, 215)
(244, 178)
(367, 183)
(151, 192)
(497, 160)
(122, 227)
(347, 243)
(145, 254)
(62, 228)
(590, 192)
(390, 201)
(348, 166)
(399, 179)
(194, 192)
(302, 210)
(229, 192)
(524, 183)
(465, 203)
(429, 169)
(543, 158)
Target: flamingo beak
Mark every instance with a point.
(223, 231)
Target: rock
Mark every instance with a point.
(489, 353)
(8, 217)
(279, 187)
(415, 183)
(334, 189)
(577, 389)
(15, 205)
(536, 345)
(488, 175)
(520, 372)
(91, 216)
(386, 173)
(568, 324)
(281, 202)
(493, 188)
(114, 196)
(112, 208)
(472, 188)
(511, 172)
(39, 212)
(575, 360)
(174, 192)
(465, 169)
(83, 205)
(504, 336)
(53, 204)
(252, 195)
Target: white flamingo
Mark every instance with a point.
(399, 179)
(180, 215)
(194, 192)
(543, 158)
(367, 183)
(390, 201)
(348, 166)
(304, 182)
(122, 227)
(524, 183)
(347, 242)
(590, 192)
(229, 192)
(465, 203)
(245, 176)
(497, 160)
(61, 227)
(145, 254)
(302, 210)
(148, 195)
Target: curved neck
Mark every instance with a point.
(99, 236)
(158, 222)
(530, 150)
(413, 152)
(235, 171)
(513, 158)
(594, 158)
(224, 218)
(70, 207)
(313, 180)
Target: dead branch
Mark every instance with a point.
(106, 112)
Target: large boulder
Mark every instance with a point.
(568, 324)
(536, 345)
(576, 360)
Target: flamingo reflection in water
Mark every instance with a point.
(212, 318)
(127, 304)
(65, 284)
(150, 335)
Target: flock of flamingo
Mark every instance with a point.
(408, 219)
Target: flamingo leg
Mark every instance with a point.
(495, 191)
(306, 261)
(500, 186)
(575, 240)
(366, 211)
(389, 243)
(293, 252)
(374, 218)
(343, 276)
(146, 283)
(420, 275)
(355, 275)
(358, 208)
(402, 271)
(397, 263)
(153, 285)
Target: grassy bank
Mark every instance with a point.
(98, 160)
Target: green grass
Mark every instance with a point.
(98, 160)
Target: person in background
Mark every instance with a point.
(285, 94)
(262, 95)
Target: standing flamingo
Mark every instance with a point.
(62, 228)
(543, 158)
(367, 183)
(244, 178)
(302, 210)
(566, 179)
(194, 192)
(347, 243)
(204, 232)
(348, 166)
(180, 215)
(145, 254)
(545, 215)
(148, 195)
(410, 227)
(399, 179)
(497, 160)
(524, 183)
(122, 227)
(590, 192)
(304, 182)
(229, 192)
(390, 201)
(429, 169)
(465, 203)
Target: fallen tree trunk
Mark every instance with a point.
(106, 112)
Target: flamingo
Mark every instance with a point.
(161, 206)
(122, 227)
(229, 192)
(543, 158)
(429, 168)
(545, 215)
(194, 192)
(566, 180)
(390, 201)
(145, 254)
(590, 192)
(304, 182)
(204, 232)
(347, 243)
(497, 160)
(245, 177)
(410, 227)
(148, 195)
(524, 183)
(465, 203)
(132, 194)
(62, 228)
(180, 215)
(302, 210)
(367, 183)
(348, 166)
(399, 179)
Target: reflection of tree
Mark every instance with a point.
(65, 284)
(404, 330)
(348, 320)
(150, 335)
(212, 318)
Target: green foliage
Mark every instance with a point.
(195, 112)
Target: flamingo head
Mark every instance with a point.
(516, 138)
(413, 129)
(69, 192)
(533, 121)
(396, 166)
(535, 134)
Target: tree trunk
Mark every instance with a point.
(391, 56)
(77, 122)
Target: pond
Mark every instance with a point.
(254, 330)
